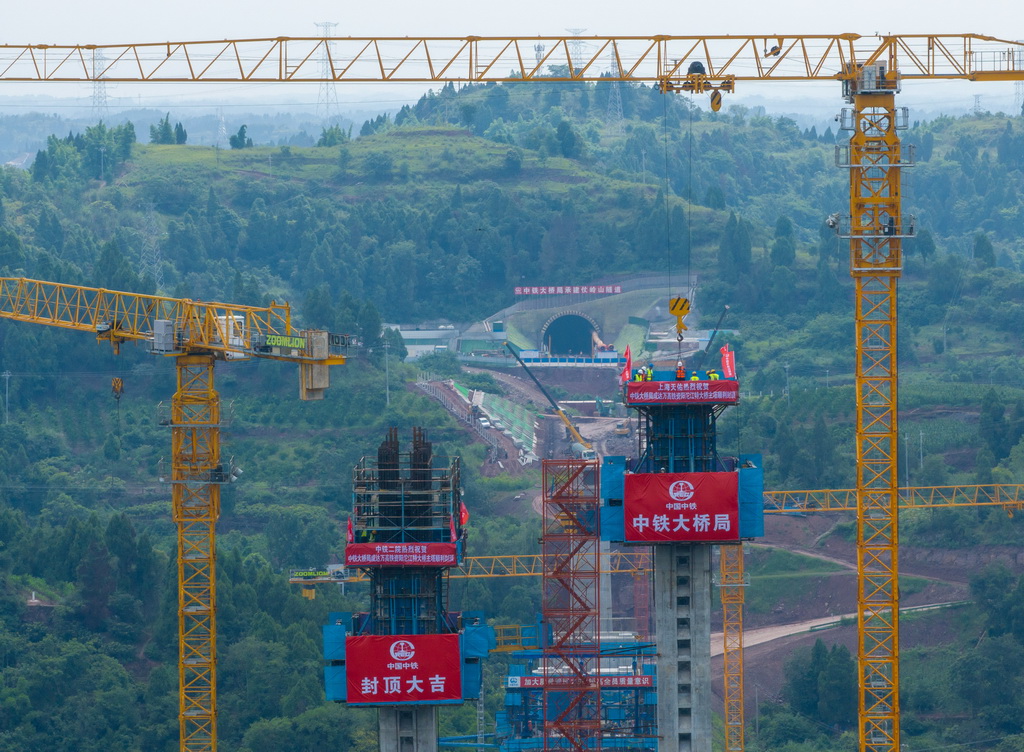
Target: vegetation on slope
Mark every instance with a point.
(438, 213)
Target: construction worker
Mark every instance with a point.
(713, 374)
(649, 376)
(680, 371)
(694, 376)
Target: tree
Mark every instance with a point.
(333, 136)
(727, 254)
(784, 248)
(395, 343)
(180, 134)
(162, 133)
(984, 253)
(988, 678)
(568, 140)
(783, 252)
(837, 689)
(714, 198)
(96, 584)
(240, 140)
(513, 161)
(379, 165)
(992, 428)
(49, 230)
(368, 326)
(821, 685)
(924, 244)
(800, 690)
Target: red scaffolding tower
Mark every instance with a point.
(570, 607)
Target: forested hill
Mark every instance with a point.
(437, 213)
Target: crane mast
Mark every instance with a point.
(870, 69)
(196, 335)
(876, 230)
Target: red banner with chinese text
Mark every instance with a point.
(720, 390)
(531, 682)
(401, 555)
(728, 362)
(568, 290)
(674, 507)
(381, 670)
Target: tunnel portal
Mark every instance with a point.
(570, 335)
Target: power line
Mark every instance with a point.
(327, 100)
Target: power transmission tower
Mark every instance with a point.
(613, 116)
(151, 259)
(576, 44)
(222, 129)
(327, 101)
(99, 86)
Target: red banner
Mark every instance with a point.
(728, 362)
(530, 682)
(720, 390)
(401, 555)
(627, 369)
(671, 507)
(570, 290)
(381, 670)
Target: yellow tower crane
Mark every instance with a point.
(871, 70)
(196, 335)
(733, 580)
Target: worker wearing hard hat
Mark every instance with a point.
(713, 374)
(680, 371)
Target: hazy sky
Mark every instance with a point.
(123, 21)
(110, 21)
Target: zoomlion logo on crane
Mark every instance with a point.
(282, 340)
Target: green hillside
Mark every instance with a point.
(438, 213)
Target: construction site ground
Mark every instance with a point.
(942, 578)
(827, 604)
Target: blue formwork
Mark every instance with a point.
(627, 676)
(475, 643)
(751, 496)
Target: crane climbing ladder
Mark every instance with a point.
(871, 70)
(196, 335)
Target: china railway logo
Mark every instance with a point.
(402, 650)
(681, 490)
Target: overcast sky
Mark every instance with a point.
(112, 21)
(125, 21)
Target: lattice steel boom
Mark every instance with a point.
(656, 59)
(870, 68)
(196, 335)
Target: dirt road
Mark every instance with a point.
(760, 636)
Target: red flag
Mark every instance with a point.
(728, 362)
(628, 368)
(451, 525)
(351, 537)
(463, 514)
